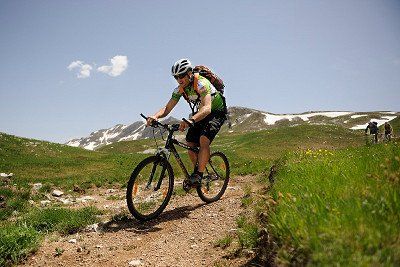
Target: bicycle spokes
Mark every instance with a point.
(150, 188)
(215, 179)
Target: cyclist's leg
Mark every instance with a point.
(204, 153)
(207, 136)
(192, 155)
(192, 140)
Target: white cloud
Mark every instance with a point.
(118, 65)
(84, 69)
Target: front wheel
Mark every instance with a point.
(150, 188)
(215, 178)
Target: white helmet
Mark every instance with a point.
(181, 66)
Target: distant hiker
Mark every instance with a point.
(388, 131)
(373, 130)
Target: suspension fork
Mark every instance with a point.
(164, 167)
(162, 159)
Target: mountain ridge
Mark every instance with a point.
(242, 119)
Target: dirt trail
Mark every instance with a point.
(184, 235)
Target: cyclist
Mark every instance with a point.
(208, 113)
(388, 131)
(373, 129)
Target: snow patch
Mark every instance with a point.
(136, 134)
(357, 116)
(271, 119)
(379, 121)
(74, 143)
(91, 146)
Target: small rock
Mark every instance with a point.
(99, 246)
(44, 203)
(5, 175)
(135, 263)
(73, 241)
(79, 249)
(84, 199)
(30, 201)
(194, 246)
(111, 190)
(37, 186)
(64, 201)
(92, 228)
(57, 193)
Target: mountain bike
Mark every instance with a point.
(151, 183)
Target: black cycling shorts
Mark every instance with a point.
(209, 127)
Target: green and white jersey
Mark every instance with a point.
(205, 87)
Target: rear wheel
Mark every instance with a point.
(150, 188)
(215, 178)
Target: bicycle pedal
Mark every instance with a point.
(186, 186)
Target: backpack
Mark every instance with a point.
(212, 78)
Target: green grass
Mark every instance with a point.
(34, 161)
(338, 207)
(247, 232)
(18, 239)
(16, 242)
(62, 220)
(15, 201)
(224, 242)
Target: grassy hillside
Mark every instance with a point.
(34, 161)
(330, 208)
(251, 153)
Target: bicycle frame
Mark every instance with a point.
(170, 146)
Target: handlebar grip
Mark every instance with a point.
(143, 116)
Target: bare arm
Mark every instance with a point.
(205, 108)
(164, 111)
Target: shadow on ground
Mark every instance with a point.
(130, 224)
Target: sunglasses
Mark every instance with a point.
(180, 76)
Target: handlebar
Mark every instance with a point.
(155, 123)
(172, 127)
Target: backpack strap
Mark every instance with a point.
(196, 89)
(195, 83)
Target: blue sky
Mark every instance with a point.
(276, 56)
